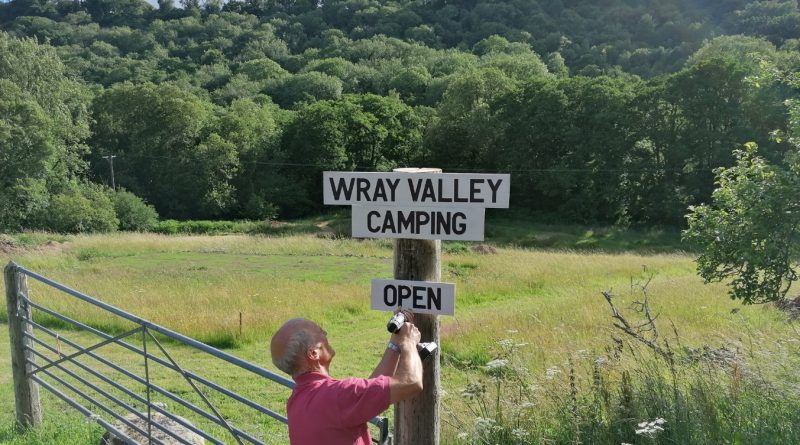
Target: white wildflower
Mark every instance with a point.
(552, 372)
(519, 433)
(497, 364)
(483, 425)
(650, 429)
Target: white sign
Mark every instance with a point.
(418, 223)
(419, 296)
(401, 189)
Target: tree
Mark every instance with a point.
(532, 141)
(78, 208)
(133, 213)
(43, 125)
(710, 96)
(118, 12)
(598, 137)
(749, 232)
(26, 150)
(168, 151)
(465, 129)
(356, 132)
(259, 183)
(306, 87)
(556, 65)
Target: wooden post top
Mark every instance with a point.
(418, 170)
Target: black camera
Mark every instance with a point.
(425, 349)
(396, 322)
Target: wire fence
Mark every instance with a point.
(129, 382)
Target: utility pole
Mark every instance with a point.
(417, 419)
(110, 159)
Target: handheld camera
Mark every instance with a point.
(425, 349)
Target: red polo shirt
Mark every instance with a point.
(323, 410)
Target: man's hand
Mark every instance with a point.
(407, 336)
(406, 380)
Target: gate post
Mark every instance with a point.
(417, 419)
(26, 391)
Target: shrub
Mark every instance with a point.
(79, 208)
(167, 227)
(134, 214)
(171, 227)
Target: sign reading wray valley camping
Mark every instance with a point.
(418, 223)
(417, 189)
(443, 206)
(414, 204)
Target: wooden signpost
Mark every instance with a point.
(418, 208)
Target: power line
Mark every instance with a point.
(451, 170)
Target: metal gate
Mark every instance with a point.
(127, 403)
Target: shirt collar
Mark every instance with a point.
(310, 377)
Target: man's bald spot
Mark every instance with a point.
(281, 338)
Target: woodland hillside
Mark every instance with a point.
(613, 111)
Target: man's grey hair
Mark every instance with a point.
(295, 348)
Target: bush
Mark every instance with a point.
(80, 208)
(172, 227)
(134, 214)
(167, 227)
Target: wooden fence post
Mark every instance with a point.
(26, 391)
(417, 419)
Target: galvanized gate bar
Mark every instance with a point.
(131, 394)
(85, 350)
(83, 410)
(164, 392)
(160, 361)
(145, 327)
(196, 389)
(107, 395)
(161, 330)
(91, 400)
(160, 390)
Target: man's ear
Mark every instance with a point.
(312, 353)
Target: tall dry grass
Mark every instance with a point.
(548, 300)
(199, 285)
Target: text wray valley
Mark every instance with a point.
(417, 189)
(417, 205)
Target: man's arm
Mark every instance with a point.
(387, 365)
(406, 381)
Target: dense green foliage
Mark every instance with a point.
(133, 213)
(602, 111)
(749, 231)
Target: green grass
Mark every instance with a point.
(508, 231)
(547, 297)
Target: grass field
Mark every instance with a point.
(542, 289)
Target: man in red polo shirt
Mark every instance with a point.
(324, 410)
